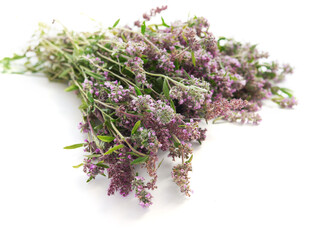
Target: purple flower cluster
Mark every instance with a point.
(141, 193)
(164, 62)
(121, 175)
(147, 139)
(159, 111)
(136, 65)
(180, 177)
(92, 170)
(116, 92)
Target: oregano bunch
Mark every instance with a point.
(145, 88)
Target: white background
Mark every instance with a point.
(249, 182)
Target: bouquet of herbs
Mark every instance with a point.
(147, 87)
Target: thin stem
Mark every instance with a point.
(104, 104)
(111, 51)
(128, 82)
(104, 48)
(182, 51)
(93, 133)
(115, 62)
(125, 113)
(166, 77)
(124, 139)
(182, 153)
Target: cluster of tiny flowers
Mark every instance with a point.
(92, 170)
(83, 127)
(180, 177)
(142, 103)
(165, 63)
(244, 116)
(87, 85)
(117, 92)
(287, 102)
(181, 150)
(162, 113)
(136, 66)
(193, 132)
(147, 139)
(141, 193)
(120, 173)
(135, 48)
(221, 107)
(189, 38)
(188, 96)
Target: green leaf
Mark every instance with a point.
(16, 56)
(221, 65)
(275, 90)
(193, 58)
(71, 88)
(140, 160)
(92, 156)
(90, 97)
(172, 105)
(111, 150)
(101, 164)
(65, 72)
(165, 89)
(74, 146)
(184, 38)
(135, 127)
(98, 127)
(287, 91)
(95, 75)
(77, 166)
(152, 30)
(164, 24)
(6, 62)
(143, 27)
(221, 48)
(190, 159)
(116, 23)
(147, 90)
(106, 138)
(160, 163)
(89, 179)
(138, 92)
(187, 74)
(253, 47)
(176, 64)
(277, 99)
(133, 153)
(83, 106)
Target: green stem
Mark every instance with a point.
(166, 77)
(124, 139)
(182, 153)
